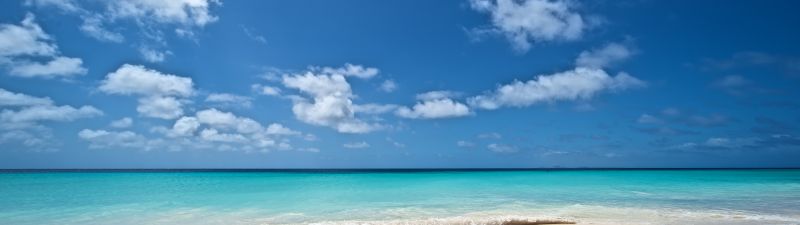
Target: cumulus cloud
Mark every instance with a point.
(228, 100)
(529, 21)
(8, 98)
(153, 55)
(278, 129)
(40, 142)
(93, 27)
(348, 69)
(219, 120)
(185, 126)
(164, 107)
(48, 113)
(159, 92)
(388, 86)
(101, 139)
(138, 80)
(603, 57)
(30, 110)
(434, 109)
(25, 39)
(577, 84)
(226, 120)
(215, 129)
(434, 105)
(266, 90)
(329, 101)
(433, 95)
(65, 5)
(356, 145)
(22, 119)
(183, 12)
(27, 51)
(59, 66)
(125, 122)
(151, 17)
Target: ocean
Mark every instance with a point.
(758, 196)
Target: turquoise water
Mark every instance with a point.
(584, 196)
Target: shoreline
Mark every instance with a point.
(571, 214)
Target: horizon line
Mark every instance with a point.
(455, 169)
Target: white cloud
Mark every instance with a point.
(48, 113)
(226, 99)
(500, 148)
(159, 93)
(24, 47)
(266, 90)
(28, 39)
(22, 119)
(59, 66)
(100, 139)
(125, 122)
(211, 128)
(40, 142)
(434, 105)
(136, 79)
(151, 17)
(434, 95)
(528, 21)
(603, 57)
(164, 107)
(278, 129)
(351, 70)
(211, 134)
(333, 111)
(434, 109)
(356, 145)
(388, 86)
(330, 104)
(319, 84)
(183, 12)
(93, 26)
(65, 5)
(152, 55)
(577, 84)
(185, 126)
(8, 98)
(227, 120)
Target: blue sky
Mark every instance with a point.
(369, 84)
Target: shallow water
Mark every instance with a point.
(440, 197)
